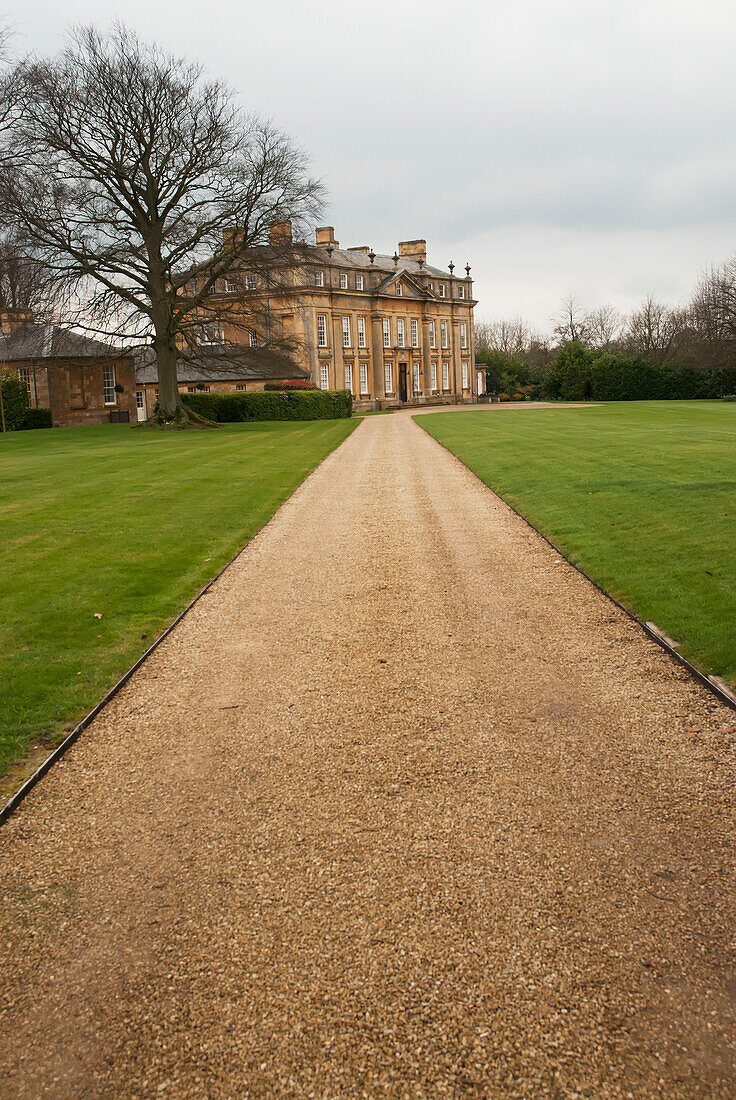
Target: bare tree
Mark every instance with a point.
(510, 336)
(24, 289)
(143, 188)
(604, 327)
(654, 329)
(570, 321)
(713, 315)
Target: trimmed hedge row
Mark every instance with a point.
(37, 418)
(229, 408)
(578, 374)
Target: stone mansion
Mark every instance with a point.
(392, 329)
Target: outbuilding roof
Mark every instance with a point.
(217, 363)
(34, 341)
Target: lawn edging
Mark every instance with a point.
(650, 629)
(56, 754)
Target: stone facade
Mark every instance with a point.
(392, 329)
(80, 380)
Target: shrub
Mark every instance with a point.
(504, 397)
(291, 384)
(37, 418)
(730, 397)
(15, 399)
(519, 397)
(229, 408)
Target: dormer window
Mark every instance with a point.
(251, 282)
(319, 278)
(343, 281)
(358, 282)
(399, 290)
(441, 289)
(461, 291)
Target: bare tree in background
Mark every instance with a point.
(512, 337)
(605, 326)
(570, 321)
(713, 315)
(143, 189)
(654, 329)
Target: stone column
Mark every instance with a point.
(379, 380)
(455, 360)
(426, 360)
(337, 356)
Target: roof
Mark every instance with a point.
(222, 364)
(33, 341)
(343, 257)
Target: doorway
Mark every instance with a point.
(402, 383)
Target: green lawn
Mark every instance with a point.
(129, 524)
(642, 496)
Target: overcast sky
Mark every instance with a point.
(585, 146)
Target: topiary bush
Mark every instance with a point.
(15, 399)
(231, 408)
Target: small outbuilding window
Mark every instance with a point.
(108, 384)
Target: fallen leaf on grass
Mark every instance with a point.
(98, 614)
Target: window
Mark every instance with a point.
(441, 289)
(319, 278)
(416, 378)
(253, 339)
(432, 337)
(399, 290)
(465, 375)
(230, 287)
(434, 376)
(414, 333)
(445, 376)
(140, 400)
(251, 282)
(343, 281)
(358, 282)
(480, 381)
(364, 378)
(24, 373)
(321, 330)
(387, 332)
(108, 384)
(361, 332)
(431, 287)
(400, 331)
(463, 336)
(204, 389)
(324, 376)
(211, 333)
(191, 389)
(349, 377)
(389, 377)
(443, 333)
(461, 291)
(240, 387)
(346, 335)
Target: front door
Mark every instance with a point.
(402, 382)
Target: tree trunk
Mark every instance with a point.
(169, 399)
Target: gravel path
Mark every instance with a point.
(403, 808)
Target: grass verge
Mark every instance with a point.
(128, 525)
(640, 495)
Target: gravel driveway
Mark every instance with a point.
(404, 808)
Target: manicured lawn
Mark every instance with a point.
(642, 496)
(130, 524)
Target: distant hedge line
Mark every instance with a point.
(578, 374)
(229, 408)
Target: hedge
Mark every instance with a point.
(37, 418)
(578, 374)
(228, 408)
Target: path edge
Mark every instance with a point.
(656, 635)
(25, 789)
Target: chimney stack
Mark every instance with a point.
(413, 250)
(325, 237)
(279, 233)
